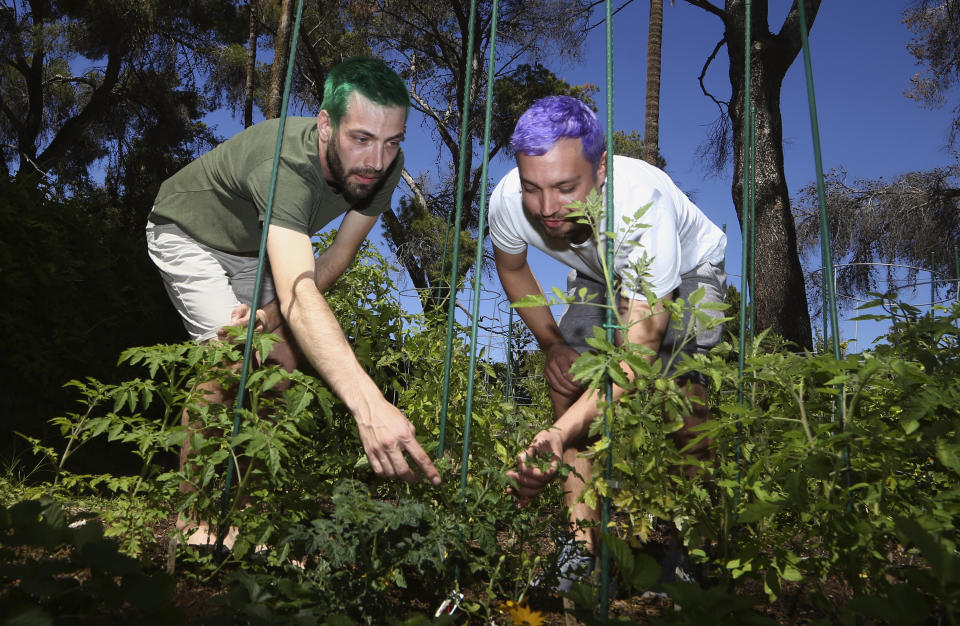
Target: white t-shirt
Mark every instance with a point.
(679, 238)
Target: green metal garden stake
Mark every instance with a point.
(457, 220)
(933, 282)
(610, 323)
(258, 281)
(478, 263)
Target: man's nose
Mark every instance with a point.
(373, 159)
(552, 203)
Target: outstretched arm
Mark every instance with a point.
(646, 326)
(518, 282)
(385, 432)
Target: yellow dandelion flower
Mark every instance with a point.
(521, 615)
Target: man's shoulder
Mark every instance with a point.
(266, 131)
(632, 167)
(510, 181)
(290, 121)
(507, 191)
(634, 177)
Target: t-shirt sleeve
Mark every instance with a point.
(503, 234)
(659, 244)
(293, 197)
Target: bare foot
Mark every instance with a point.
(200, 533)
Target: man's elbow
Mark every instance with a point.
(300, 293)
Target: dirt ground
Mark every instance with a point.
(793, 606)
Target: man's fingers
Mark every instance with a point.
(421, 458)
(240, 314)
(399, 465)
(529, 479)
(375, 463)
(387, 459)
(529, 486)
(531, 475)
(536, 450)
(562, 382)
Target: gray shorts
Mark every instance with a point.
(578, 320)
(204, 284)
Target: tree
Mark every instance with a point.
(936, 46)
(425, 252)
(281, 54)
(780, 297)
(76, 81)
(651, 124)
(427, 41)
(873, 222)
(327, 37)
(250, 73)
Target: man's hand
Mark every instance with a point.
(386, 437)
(268, 318)
(240, 316)
(560, 357)
(536, 466)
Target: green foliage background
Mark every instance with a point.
(77, 288)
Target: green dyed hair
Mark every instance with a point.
(371, 78)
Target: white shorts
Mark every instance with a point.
(204, 284)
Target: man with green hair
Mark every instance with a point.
(205, 229)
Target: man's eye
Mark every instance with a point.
(566, 189)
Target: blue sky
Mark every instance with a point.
(861, 68)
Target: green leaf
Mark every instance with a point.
(600, 344)
(582, 595)
(791, 573)
(530, 301)
(909, 425)
(646, 572)
(949, 455)
(28, 616)
(620, 552)
(903, 604)
(273, 379)
(945, 565)
(757, 511)
(694, 298)
(617, 375)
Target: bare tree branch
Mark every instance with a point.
(721, 104)
(710, 8)
(612, 13)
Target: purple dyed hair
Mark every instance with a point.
(554, 117)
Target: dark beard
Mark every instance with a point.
(354, 193)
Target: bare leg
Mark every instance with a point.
(283, 354)
(573, 485)
(702, 450)
(199, 531)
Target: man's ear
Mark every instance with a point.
(602, 168)
(324, 126)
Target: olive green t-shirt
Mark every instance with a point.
(220, 199)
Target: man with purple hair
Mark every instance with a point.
(559, 145)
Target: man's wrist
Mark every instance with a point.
(362, 399)
(552, 344)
